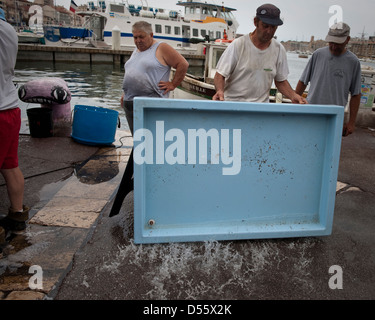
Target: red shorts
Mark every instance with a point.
(10, 124)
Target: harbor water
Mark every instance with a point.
(101, 85)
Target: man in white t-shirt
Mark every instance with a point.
(251, 63)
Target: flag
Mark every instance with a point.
(73, 6)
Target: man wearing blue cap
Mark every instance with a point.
(251, 63)
(10, 122)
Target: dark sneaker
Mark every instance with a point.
(10, 224)
(15, 221)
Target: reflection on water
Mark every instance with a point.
(100, 85)
(97, 169)
(296, 67)
(94, 85)
(97, 84)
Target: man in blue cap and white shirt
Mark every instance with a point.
(10, 122)
(333, 72)
(251, 63)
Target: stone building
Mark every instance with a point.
(363, 48)
(17, 13)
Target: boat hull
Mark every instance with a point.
(193, 89)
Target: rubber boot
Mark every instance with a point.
(15, 221)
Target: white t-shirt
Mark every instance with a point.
(8, 57)
(249, 71)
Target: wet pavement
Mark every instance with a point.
(82, 253)
(67, 185)
(338, 267)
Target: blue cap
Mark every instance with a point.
(2, 15)
(269, 14)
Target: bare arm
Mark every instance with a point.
(301, 87)
(349, 127)
(285, 88)
(170, 57)
(219, 82)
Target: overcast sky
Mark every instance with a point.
(302, 19)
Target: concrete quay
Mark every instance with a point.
(85, 254)
(80, 54)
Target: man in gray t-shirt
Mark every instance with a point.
(334, 72)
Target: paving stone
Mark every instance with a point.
(69, 212)
(25, 295)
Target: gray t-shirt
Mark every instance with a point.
(8, 57)
(143, 72)
(332, 78)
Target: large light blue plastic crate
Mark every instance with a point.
(286, 186)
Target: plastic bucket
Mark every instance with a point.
(94, 125)
(40, 122)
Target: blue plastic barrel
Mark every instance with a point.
(94, 125)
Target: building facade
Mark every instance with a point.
(17, 13)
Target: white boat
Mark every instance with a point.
(28, 36)
(201, 21)
(201, 88)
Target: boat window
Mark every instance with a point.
(218, 35)
(211, 34)
(118, 8)
(102, 5)
(207, 11)
(168, 29)
(173, 14)
(189, 10)
(157, 28)
(216, 56)
(195, 32)
(177, 30)
(203, 33)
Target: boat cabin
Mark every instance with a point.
(200, 21)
